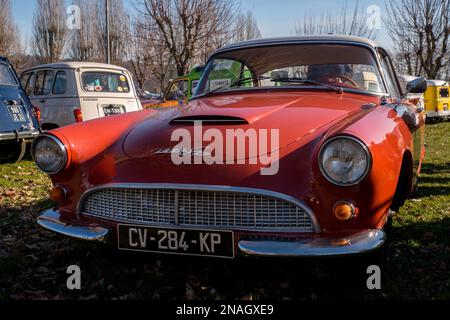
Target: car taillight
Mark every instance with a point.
(37, 112)
(78, 115)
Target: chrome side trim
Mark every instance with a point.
(357, 243)
(51, 220)
(199, 187)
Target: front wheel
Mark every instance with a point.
(12, 152)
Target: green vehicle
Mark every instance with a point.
(181, 89)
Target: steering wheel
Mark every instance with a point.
(343, 78)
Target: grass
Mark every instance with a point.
(414, 262)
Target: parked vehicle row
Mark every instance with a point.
(347, 149)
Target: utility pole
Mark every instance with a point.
(108, 38)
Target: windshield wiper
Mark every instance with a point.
(308, 81)
(236, 83)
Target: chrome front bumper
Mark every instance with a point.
(351, 244)
(51, 220)
(325, 246)
(6, 136)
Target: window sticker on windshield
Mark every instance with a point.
(214, 84)
(194, 84)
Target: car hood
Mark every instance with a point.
(292, 115)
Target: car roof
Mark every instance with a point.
(299, 39)
(76, 65)
(437, 82)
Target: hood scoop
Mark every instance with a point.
(209, 120)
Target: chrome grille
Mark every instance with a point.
(210, 208)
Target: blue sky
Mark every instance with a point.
(275, 17)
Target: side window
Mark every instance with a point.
(48, 82)
(24, 78)
(60, 85)
(43, 83)
(443, 92)
(29, 86)
(39, 83)
(390, 77)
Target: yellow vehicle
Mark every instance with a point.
(437, 100)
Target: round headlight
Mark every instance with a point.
(49, 154)
(344, 161)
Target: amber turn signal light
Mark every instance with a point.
(58, 194)
(344, 211)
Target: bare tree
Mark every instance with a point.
(118, 26)
(354, 24)
(10, 42)
(49, 30)
(139, 52)
(187, 27)
(246, 27)
(421, 31)
(85, 43)
(147, 56)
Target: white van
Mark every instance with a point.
(70, 92)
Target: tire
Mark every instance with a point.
(12, 152)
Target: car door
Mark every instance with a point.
(43, 82)
(62, 100)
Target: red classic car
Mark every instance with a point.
(290, 147)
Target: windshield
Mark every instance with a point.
(340, 66)
(105, 82)
(6, 76)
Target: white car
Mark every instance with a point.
(71, 92)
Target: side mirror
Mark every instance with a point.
(418, 85)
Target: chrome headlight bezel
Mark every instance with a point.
(59, 145)
(364, 148)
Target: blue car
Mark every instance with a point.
(18, 119)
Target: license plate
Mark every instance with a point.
(16, 113)
(110, 111)
(176, 241)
